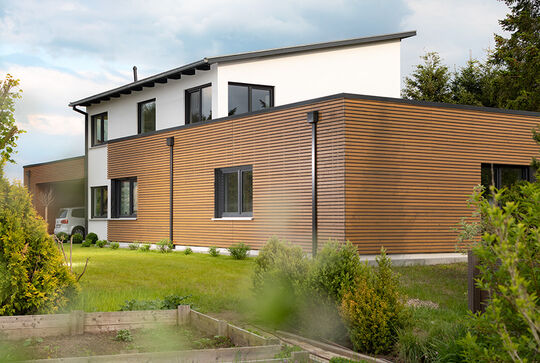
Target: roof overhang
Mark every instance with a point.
(205, 63)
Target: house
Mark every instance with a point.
(307, 143)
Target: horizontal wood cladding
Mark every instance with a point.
(276, 144)
(409, 169)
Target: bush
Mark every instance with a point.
(115, 245)
(86, 244)
(91, 237)
(165, 246)
(33, 277)
(77, 238)
(133, 246)
(145, 247)
(213, 251)
(124, 335)
(188, 251)
(239, 251)
(101, 243)
(508, 254)
(167, 303)
(62, 236)
(374, 310)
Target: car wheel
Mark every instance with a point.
(78, 230)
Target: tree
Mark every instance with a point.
(46, 198)
(9, 133)
(429, 81)
(519, 56)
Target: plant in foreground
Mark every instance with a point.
(239, 251)
(213, 251)
(124, 335)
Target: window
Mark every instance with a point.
(99, 202)
(249, 97)
(77, 213)
(234, 192)
(99, 129)
(147, 116)
(124, 197)
(504, 175)
(199, 104)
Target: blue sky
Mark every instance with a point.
(66, 50)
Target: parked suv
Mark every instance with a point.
(70, 221)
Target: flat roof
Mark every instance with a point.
(204, 64)
(54, 161)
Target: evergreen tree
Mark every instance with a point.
(429, 81)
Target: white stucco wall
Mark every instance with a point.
(97, 177)
(372, 69)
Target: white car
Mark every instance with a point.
(70, 221)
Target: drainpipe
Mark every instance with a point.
(313, 118)
(85, 166)
(170, 143)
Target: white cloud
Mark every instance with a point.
(452, 28)
(53, 124)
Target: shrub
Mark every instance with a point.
(145, 247)
(62, 236)
(188, 251)
(239, 251)
(77, 238)
(33, 278)
(101, 243)
(213, 251)
(335, 270)
(374, 310)
(133, 246)
(115, 245)
(86, 243)
(124, 335)
(168, 302)
(165, 246)
(508, 253)
(91, 237)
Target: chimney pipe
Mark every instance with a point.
(135, 79)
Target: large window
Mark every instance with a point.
(234, 192)
(124, 197)
(249, 97)
(147, 116)
(99, 202)
(504, 175)
(99, 129)
(199, 104)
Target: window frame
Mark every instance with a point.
(250, 87)
(219, 192)
(116, 195)
(526, 173)
(187, 101)
(139, 116)
(93, 120)
(104, 192)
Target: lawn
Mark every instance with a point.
(114, 276)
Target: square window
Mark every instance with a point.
(124, 197)
(234, 192)
(147, 116)
(249, 97)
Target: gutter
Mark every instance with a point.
(313, 118)
(85, 166)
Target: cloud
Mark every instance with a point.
(53, 124)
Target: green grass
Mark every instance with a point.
(114, 276)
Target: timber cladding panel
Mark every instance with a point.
(409, 169)
(278, 146)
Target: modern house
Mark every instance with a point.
(287, 142)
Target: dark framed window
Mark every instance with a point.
(99, 202)
(234, 192)
(249, 97)
(99, 128)
(504, 175)
(146, 112)
(124, 197)
(199, 104)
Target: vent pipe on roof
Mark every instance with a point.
(135, 79)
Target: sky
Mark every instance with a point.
(63, 51)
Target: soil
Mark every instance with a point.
(142, 340)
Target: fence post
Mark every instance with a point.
(183, 315)
(76, 322)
